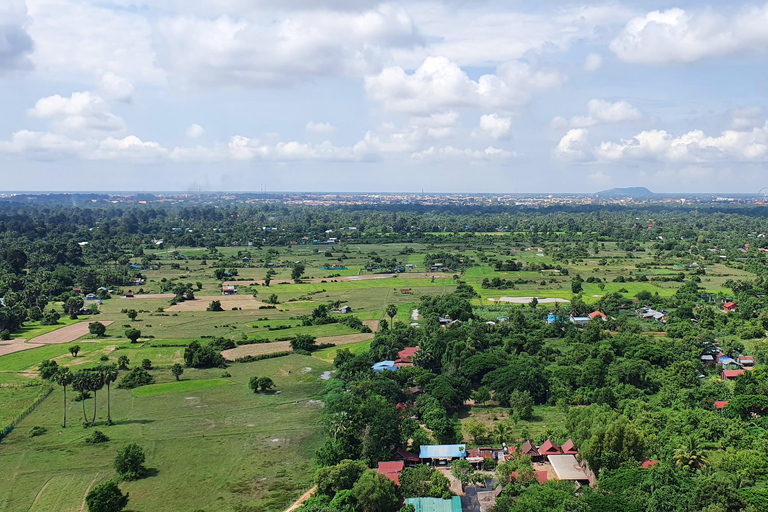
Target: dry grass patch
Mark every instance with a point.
(228, 302)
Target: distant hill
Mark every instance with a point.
(626, 192)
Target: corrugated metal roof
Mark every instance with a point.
(435, 504)
(567, 468)
(442, 451)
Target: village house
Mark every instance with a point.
(391, 470)
(435, 504)
(747, 362)
(442, 454)
(731, 374)
(598, 314)
(404, 357)
(568, 448)
(549, 448)
(728, 307)
(228, 290)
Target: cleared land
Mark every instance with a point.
(228, 302)
(258, 349)
(11, 346)
(65, 334)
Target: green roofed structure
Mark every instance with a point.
(435, 504)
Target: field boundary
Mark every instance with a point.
(9, 428)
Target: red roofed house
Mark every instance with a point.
(729, 306)
(485, 452)
(731, 374)
(647, 463)
(404, 357)
(596, 314)
(549, 448)
(391, 470)
(719, 404)
(407, 457)
(568, 448)
(748, 362)
(530, 450)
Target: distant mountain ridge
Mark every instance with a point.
(626, 192)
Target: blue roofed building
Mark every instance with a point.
(384, 365)
(435, 504)
(442, 452)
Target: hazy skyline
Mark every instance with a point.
(342, 95)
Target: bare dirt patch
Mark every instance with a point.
(373, 324)
(228, 302)
(405, 275)
(258, 349)
(65, 334)
(11, 346)
(151, 296)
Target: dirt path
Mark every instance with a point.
(40, 493)
(258, 349)
(65, 334)
(527, 300)
(82, 507)
(11, 346)
(304, 497)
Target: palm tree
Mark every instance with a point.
(391, 313)
(109, 373)
(96, 381)
(80, 383)
(691, 454)
(501, 432)
(64, 379)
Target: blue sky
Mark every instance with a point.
(343, 95)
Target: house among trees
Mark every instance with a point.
(729, 306)
(567, 468)
(720, 404)
(408, 458)
(128, 294)
(404, 357)
(731, 374)
(530, 450)
(435, 504)
(542, 476)
(391, 470)
(228, 290)
(384, 365)
(597, 314)
(648, 463)
(441, 453)
(568, 448)
(548, 448)
(345, 309)
(747, 362)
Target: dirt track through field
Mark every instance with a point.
(65, 334)
(258, 349)
(150, 296)
(11, 346)
(228, 302)
(403, 275)
(299, 502)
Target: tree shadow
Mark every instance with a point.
(130, 422)
(150, 473)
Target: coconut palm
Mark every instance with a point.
(64, 379)
(109, 373)
(96, 381)
(691, 454)
(501, 432)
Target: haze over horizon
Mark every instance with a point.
(334, 95)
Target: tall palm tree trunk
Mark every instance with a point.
(65, 407)
(93, 422)
(82, 395)
(109, 413)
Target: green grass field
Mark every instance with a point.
(218, 447)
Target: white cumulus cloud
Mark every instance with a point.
(195, 130)
(601, 112)
(439, 84)
(593, 62)
(677, 36)
(495, 125)
(81, 113)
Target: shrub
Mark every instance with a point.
(146, 364)
(202, 356)
(97, 328)
(104, 357)
(5, 334)
(137, 377)
(97, 436)
(133, 334)
(50, 317)
(123, 362)
(106, 497)
(37, 431)
(129, 462)
(215, 306)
